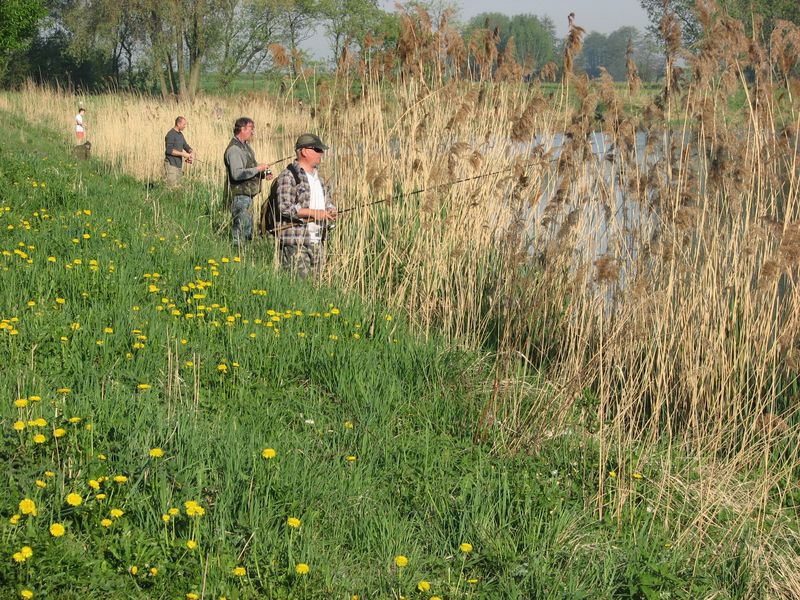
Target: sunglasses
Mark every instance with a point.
(317, 150)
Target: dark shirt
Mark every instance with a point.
(174, 140)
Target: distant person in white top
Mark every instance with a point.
(80, 126)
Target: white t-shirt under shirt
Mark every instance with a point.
(317, 203)
(79, 123)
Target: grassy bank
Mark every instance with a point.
(174, 407)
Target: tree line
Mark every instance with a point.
(165, 46)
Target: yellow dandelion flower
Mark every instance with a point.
(116, 513)
(49, 474)
(143, 386)
(424, 586)
(156, 453)
(60, 432)
(100, 497)
(19, 425)
(134, 570)
(21, 402)
(18, 557)
(350, 458)
(293, 522)
(401, 561)
(302, 568)
(165, 517)
(638, 476)
(39, 438)
(153, 571)
(192, 596)
(268, 453)
(465, 547)
(193, 509)
(34, 398)
(41, 484)
(74, 499)
(14, 519)
(26, 594)
(27, 507)
(66, 390)
(57, 530)
(191, 544)
(239, 571)
(120, 479)
(106, 522)
(94, 484)
(26, 551)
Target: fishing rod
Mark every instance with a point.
(407, 194)
(449, 183)
(390, 199)
(434, 187)
(280, 160)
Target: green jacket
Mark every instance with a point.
(240, 162)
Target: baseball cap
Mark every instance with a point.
(309, 140)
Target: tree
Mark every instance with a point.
(607, 51)
(349, 22)
(247, 29)
(684, 10)
(297, 25)
(592, 55)
(534, 37)
(649, 58)
(177, 36)
(18, 23)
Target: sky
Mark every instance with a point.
(603, 16)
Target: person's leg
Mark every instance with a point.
(172, 175)
(316, 260)
(242, 227)
(296, 259)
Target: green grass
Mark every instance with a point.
(372, 427)
(273, 84)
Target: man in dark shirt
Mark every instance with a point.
(176, 149)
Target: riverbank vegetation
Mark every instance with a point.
(627, 276)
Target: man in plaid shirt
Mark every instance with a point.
(305, 207)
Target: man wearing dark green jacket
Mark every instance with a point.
(244, 178)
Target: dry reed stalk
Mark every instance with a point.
(632, 73)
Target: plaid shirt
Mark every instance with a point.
(291, 198)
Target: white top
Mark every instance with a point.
(79, 123)
(317, 203)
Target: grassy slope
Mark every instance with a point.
(418, 487)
